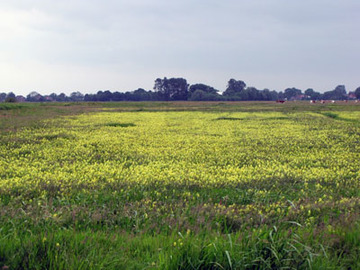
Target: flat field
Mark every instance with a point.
(235, 185)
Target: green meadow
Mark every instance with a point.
(180, 185)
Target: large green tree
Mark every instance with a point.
(234, 87)
(199, 91)
(338, 93)
(310, 93)
(290, 93)
(172, 89)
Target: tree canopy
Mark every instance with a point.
(234, 87)
(172, 89)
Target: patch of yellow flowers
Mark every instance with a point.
(258, 152)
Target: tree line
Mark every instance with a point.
(174, 89)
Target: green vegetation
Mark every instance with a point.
(177, 89)
(179, 185)
(113, 124)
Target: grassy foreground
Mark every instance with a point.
(182, 185)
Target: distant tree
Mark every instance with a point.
(339, 93)
(243, 95)
(274, 95)
(200, 95)
(10, 100)
(265, 94)
(76, 96)
(311, 94)
(34, 97)
(90, 97)
(2, 97)
(203, 87)
(281, 95)
(172, 89)
(205, 92)
(153, 95)
(62, 97)
(234, 87)
(249, 93)
(268, 95)
(104, 96)
(10, 97)
(254, 94)
(53, 96)
(357, 92)
(140, 95)
(117, 96)
(291, 93)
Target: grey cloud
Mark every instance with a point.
(267, 39)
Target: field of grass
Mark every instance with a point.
(184, 185)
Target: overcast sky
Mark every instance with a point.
(121, 45)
